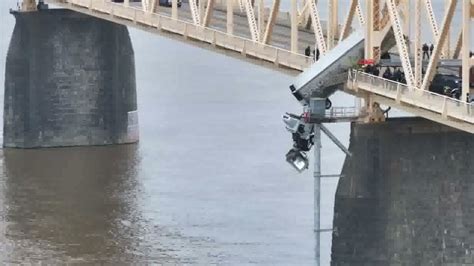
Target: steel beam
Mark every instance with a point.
(271, 22)
(195, 12)
(230, 17)
(261, 16)
(202, 9)
(335, 140)
(332, 24)
(318, 30)
(153, 5)
(174, 9)
(418, 47)
(466, 35)
(401, 43)
(294, 25)
(317, 193)
(434, 59)
(369, 32)
(252, 21)
(447, 43)
(431, 17)
(433, 24)
(349, 18)
(457, 50)
(360, 14)
(209, 11)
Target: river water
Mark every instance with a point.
(206, 184)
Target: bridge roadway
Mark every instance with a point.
(432, 106)
(239, 45)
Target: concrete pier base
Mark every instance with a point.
(407, 196)
(70, 81)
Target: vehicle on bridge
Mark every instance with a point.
(445, 84)
(168, 3)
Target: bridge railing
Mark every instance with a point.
(342, 112)
(401, 93)
(187, 29)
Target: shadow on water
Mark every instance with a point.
(77, 204)
(407, 197)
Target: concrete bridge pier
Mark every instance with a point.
(407, 196)
(69, 81)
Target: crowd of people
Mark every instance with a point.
(396, 74)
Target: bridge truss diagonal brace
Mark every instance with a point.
(195, 12)
(267, 36)
(252, 21)
(434, 59)
(418, 47)
(318, 29)
(303, 13)
(360, 14)
(431, 17)
(294, 26)
(432, 21)
(401, 44)
(208, 14)
(349, 18)
(466, 47)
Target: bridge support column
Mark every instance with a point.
(69, 81)
(405, 196)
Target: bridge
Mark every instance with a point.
(75, 85)
(267, 35)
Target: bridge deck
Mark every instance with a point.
(214, 36)
(432, 106)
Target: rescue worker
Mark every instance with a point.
(376, 71)
(425, 50)
(397, 76)
(368, 69)
(387, 74)
(307, 51)
(316, 54)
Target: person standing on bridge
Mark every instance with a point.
(431, 49)
(397, 76)
(376, 71)
(387, 74)
(307, 51)
(316, 54)
(425, 50)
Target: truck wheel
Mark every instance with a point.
(328, 104)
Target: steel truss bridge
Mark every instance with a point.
(267, 35)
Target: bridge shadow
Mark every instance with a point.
(71, 205)
(407, 197)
